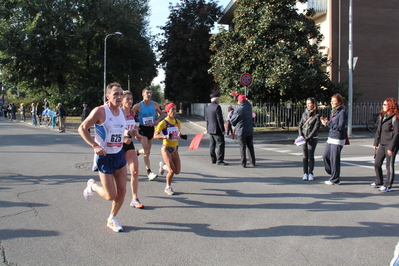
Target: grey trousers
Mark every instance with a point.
(332, 161)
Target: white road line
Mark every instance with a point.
(196, 124)
(266, 149)
(359, 159)
(347, 161)
(367, 146)
(283, 151)
(359, 165)
(275, 150)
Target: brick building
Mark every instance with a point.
(375, 43)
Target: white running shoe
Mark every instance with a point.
(310, 177)
(88, 192)
(385, 189)
(305, 177)
(152, 176)
(169, 191)
(328, 182)
(161, 170)
(114, 225)
(374, 185)
(395, 259)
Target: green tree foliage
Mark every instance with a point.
(157, 94)
(55, 48)
(185, 50)
(275, 44)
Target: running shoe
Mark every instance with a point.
(385, 189)
(114, 225)
(395, 259)
(328, 182)
(88, 192)
(305, 177)
(152, 176)
(161, 170)
(136, 203)
(374, 185)
(169, 191)
(310, 177)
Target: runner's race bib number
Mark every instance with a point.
(116, 138)
(174, 131)
(148, 121)
(115, 141)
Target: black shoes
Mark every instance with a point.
(222, 163)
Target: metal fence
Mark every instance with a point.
(289, 115)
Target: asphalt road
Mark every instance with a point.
(220, 215)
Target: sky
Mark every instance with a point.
(159, 16)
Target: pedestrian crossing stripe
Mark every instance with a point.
(368, 160)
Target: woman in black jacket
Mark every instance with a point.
(308, 128)
(336, 139)
(386, 143)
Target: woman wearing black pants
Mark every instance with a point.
(308, 128)
(386, 143)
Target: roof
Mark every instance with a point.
(228, 13)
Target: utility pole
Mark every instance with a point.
(350, 67)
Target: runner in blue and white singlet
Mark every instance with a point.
(109, 135)
(109, 122)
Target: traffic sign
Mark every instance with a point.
(246, 79)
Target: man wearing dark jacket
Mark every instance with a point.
(242, 120)
(215, 129)
(61, 113)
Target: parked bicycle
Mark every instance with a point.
(372, 123)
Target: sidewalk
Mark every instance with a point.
(69, 126)
(284, 136)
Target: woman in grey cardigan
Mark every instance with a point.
(308, 128)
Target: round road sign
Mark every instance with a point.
(246, 79)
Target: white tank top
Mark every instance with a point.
(130, 122)
(110, 134)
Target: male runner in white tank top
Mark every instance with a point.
(110, 162)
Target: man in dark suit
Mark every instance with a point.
(243, 121)
(215, 129)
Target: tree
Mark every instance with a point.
(185, 50)
(156, 93)
(278, 46)
(55, 48)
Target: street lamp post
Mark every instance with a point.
(105, 61)
(350, 68)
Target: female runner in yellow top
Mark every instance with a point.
(169, 131)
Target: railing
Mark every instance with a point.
(276, 115)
